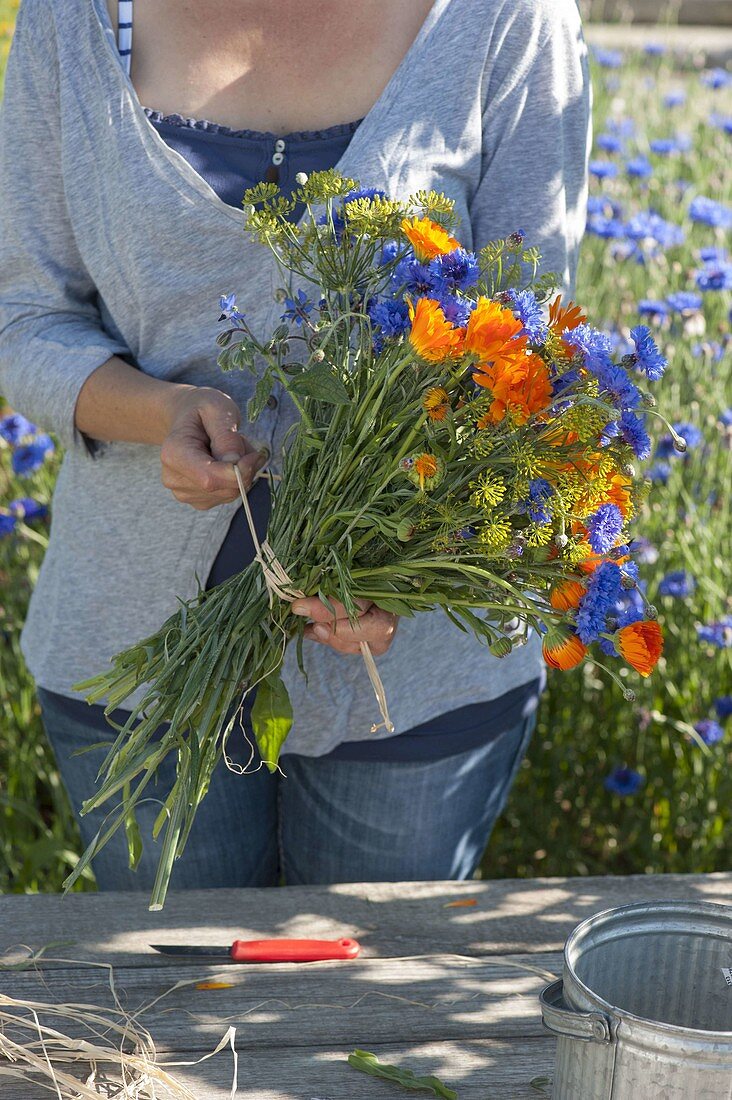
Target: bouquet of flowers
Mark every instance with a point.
(463, 443)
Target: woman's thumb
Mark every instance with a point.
(225, 441)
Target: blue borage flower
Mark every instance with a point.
(30, 456)
(723, 706)
(229, 312)
(298, 309)
(647, 355)
(604, 527)
(15, 427)
(709, 731)
(391, 316)
(604, 588)
(623, 782)
(639, 167)
(27, 509)
(717, 634)
(7, 525)
(456, 270)
(528, 311)
(709, 212)
(684, 301)
(678, 584)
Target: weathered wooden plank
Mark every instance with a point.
(478, 1070)
(695, 12)
(512, 915)
(362, 1002)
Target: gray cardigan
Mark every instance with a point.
(111, 243)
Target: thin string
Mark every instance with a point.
(280, 584)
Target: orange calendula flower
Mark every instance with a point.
(432, 335)
(640, 644)
(493, 334)
(427, 238)
(566, 594)
(561, 317)
(436, 402)
(520, 388)
(425, 467)
(562, 648)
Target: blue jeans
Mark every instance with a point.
(325, 821)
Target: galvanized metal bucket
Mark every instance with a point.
(644, 1008)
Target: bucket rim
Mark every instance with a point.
(711, 909)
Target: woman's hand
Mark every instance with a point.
(202, 444)
(375, 626)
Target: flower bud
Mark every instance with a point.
(318, 355)
(405, 530)
(627, 582)
(301, 179)
(501, 647)
(628, 469)
(651, 612)
(561, 541)
(648, 400)
(629, 695)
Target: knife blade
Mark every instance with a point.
(270, 950)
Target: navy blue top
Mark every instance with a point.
(231, 161)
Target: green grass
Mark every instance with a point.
(560, 819)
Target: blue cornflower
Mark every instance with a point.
(606, 228)
(229, 312)
(623, 781)
(456, 270)
(603, 204)
(607, 59)
(604, 527)
(15, 427)
(457, 310)
(609, 143)
(678, 584)
(30, 456)
(389, 252)
(713, 254)
(603, 169)
(722, 122)
(595, 346)
(467, 533)
(683, 301)
(717, 634)
(619, 387)
(693, 435)
(643, 550)
(27, 509)
(298, 308)
(603, 591)
(7, 525)
(709, 212)
(527, 309)
(639, 167)
(417, 278)
(716, 78)
(710, 731)
(623, 126)
(648, 225)
(725, 418)
(649, 307)
(723, 706)
(633, 431)
(663, 147)
(648, 357)
(716, 275)
(711, 349)
(539, 493)
(659, 473)
(675, 98)
(391, 315)
(655, 49)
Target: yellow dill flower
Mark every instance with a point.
(488, 491)
(538, 534)
(436, 403)
(496, 535)
(527, 463)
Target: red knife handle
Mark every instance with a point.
(293, 950)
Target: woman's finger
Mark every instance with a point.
(375, 626)
(313, 608)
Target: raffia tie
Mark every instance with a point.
(280, 584)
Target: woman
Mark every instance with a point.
(121, 177)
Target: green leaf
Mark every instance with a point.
(369, 1063)
(271, 718)
(262, 391)
(319, 382)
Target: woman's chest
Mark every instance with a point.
(293, 65)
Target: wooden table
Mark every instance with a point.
(443, 990)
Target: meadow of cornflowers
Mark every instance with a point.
(609, 785)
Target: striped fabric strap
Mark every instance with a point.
(124, 32)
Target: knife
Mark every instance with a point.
(270, 950)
